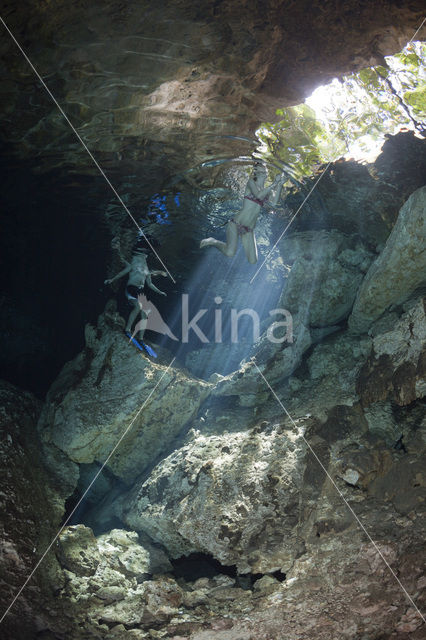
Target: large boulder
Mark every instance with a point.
(327, 268)
(227, 496)
(399, 270)
(106, 582)
(108, 391)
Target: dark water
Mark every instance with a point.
(55, 250)
(52, 263)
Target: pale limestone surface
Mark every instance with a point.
(245, 485)
(399, 270)
(113, 588)
(112, 385)
(396, 367)
(327, 268)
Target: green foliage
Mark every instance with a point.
(417, 100)
(360, 110)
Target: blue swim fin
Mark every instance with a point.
(142, 346)
(149, 350)
(135, 342)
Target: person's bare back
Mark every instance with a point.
(139, 275)
(138, 271)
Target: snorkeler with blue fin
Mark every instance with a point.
(139, 275)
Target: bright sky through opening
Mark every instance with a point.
(335, 97)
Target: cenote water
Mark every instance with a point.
(252, 454)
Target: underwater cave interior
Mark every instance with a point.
(220, 493)
(63, 257)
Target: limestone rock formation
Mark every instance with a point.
(399, 270)
(106, 581)
(249, 486)
(217, 480)
(326, 271)
(110, 394)
(31, 512)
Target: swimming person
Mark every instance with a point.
(139, 274)
(243, 223)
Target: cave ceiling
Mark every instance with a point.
(156, 88)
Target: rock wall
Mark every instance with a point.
(399, 270)
(31, 513)
(104, 390)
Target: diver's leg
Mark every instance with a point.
(141, 326)
(132, 316)
(249, 245)
(229, 247)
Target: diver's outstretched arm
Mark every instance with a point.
(119, 275)
(261, 193)
(153, 287)
(156, 272)
(276, 196)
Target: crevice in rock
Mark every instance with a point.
(204, 565)
(200, 565)
(105, 484)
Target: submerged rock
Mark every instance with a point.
(227, 496)
(111, 395)
(31, 512)
(399, 270)
(78, 551)
(106, 579)
(327, 268)
(131, 555)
